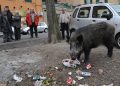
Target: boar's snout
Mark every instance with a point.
(73, 54)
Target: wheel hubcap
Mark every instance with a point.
(118, 41)
(46, 30)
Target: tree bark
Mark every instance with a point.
(53, 24)
(118, 1)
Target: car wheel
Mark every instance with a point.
(118, 41)
(28, 32)
(46, 30)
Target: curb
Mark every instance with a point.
(22, 43)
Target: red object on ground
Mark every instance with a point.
(69, 80)
(88, 66)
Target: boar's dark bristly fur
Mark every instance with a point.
(91, 36)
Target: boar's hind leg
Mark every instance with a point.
(86, 53)
(110, 48)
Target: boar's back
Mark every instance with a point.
(94, 33)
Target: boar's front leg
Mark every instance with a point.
(86, 53)
(79, 54)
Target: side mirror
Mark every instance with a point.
(107, 16)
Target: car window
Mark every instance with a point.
(99, 11)
(41, 24)
(75, 12)
(116, 8)
(84, 12)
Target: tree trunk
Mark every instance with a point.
(53, 25)
(118, 1)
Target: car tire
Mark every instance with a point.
(28, 32)
(46, 30)
(23, 33)
(118, 41)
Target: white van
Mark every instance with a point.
(92, 13)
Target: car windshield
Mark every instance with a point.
(116, 8)
(41, 24)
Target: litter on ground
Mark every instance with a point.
(70, 63)
(69, 80)
(86, 74)
(17, 78)
(79, 77)
(108, 85)
(38, 83)
(69, 73)
(83, 85)
(78, 72)
(88, 66)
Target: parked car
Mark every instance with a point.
(23, 30)
(92, 13)
(42, 27)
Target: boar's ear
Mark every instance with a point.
(80, 39)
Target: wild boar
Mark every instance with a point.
(91, 36)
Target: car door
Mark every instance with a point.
(82, 18)
(98, 12)
(73, 19)
(40, 27)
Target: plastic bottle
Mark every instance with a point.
(85, 73)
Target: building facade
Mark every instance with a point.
(78, 2)
(22, 4)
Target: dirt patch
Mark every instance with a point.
(42, 59)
